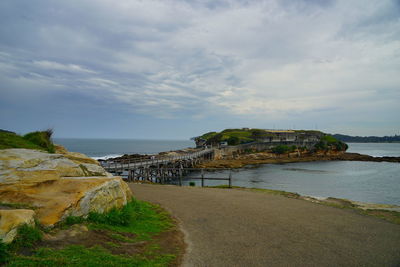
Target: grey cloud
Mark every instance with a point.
(200, 58)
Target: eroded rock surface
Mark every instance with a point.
(10, 220)
(58, 185)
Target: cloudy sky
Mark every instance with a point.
(173, 69)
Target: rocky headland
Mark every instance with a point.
(268, 157)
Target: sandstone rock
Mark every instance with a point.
(26, 165)
(10, 220)
(58, 185)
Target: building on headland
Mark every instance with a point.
(291, 136)
(248, 135)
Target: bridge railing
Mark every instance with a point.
(166, 175)
(112, 164)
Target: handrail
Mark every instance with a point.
(108, 163)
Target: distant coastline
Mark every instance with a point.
(367, 139)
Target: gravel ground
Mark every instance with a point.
(232, 227)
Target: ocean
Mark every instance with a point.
(373, 182)
(109, 148)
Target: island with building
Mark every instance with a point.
(235, 148)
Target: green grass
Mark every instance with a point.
(4, 252)
(12, 140)
(40, 140)
(27, 237)
(71, 220)
(81, 256)
(145, 220)
(140, 218)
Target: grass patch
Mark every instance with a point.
(81, 256)
(121, 238)
(40, 140)
(140, 218)
(27, 237)
(71, 220)
(4, 253)
(388, 215)
(115, 217)
(12, 140)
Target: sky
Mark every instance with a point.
(175, 69)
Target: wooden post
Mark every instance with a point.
(180, 177)
(230, 178)
(202, 177)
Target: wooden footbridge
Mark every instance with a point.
(159, 170)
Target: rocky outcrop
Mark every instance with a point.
(10, 220)
(239, 161)
(58, 185)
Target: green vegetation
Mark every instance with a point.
(328, 142)
(4, 253)
(282, 149)
(137, 217)
(81, 256)
(234, 136)
(120, 217)
(71, 220)
(27, 237)
(138, 221)
(40, 140)
(367, 139)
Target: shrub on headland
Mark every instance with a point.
(40, 140)
(328, 142)
(282, 149)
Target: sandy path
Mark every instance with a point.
(241, 228)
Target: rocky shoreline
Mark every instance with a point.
(240, 161)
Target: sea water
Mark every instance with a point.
(106, 148)
(374, 182)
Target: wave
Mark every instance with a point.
(107, 156)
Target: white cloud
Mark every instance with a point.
(51, 65)
(261, 58)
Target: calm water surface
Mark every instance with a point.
(376, 149)
(103, 148)
(375, 182)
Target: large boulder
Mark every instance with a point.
(58, 185)
(10, 220)
(31, 166)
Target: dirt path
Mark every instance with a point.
(230, 227)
